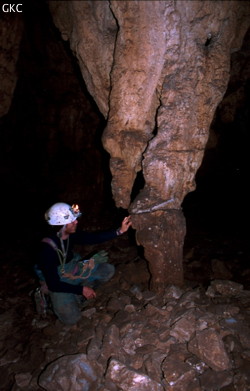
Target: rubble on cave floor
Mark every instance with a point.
(191, 338)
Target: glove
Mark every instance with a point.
(101, 257)
(88, 292)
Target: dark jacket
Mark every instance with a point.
(48, 261)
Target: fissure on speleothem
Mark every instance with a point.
(161, 65)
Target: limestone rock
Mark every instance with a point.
(179, 376)
(184, 328)
(224, 288)
(211, 380)
(208, 346)
(74, 372)
(129, 379)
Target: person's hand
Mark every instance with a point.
(88, 292)
(126, 223)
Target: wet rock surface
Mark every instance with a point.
(194, 337)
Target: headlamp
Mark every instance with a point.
(75, 210)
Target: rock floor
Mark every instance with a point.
(189, 339)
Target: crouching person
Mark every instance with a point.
(71, 280)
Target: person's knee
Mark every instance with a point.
(65, 308)
(68, 317)
(69, 321)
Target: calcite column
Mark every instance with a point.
(167, 68)
(163, 244)
(195, 73)
(134, 97)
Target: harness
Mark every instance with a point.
(62, 254)
(76, 268)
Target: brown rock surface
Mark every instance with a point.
(167, 66)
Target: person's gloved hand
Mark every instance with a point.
(126, 223)
(101, 257)
(88, 292)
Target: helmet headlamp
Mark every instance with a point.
(61, 214)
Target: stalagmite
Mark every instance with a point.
(157, 71)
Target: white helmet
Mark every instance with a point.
(61, 214)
